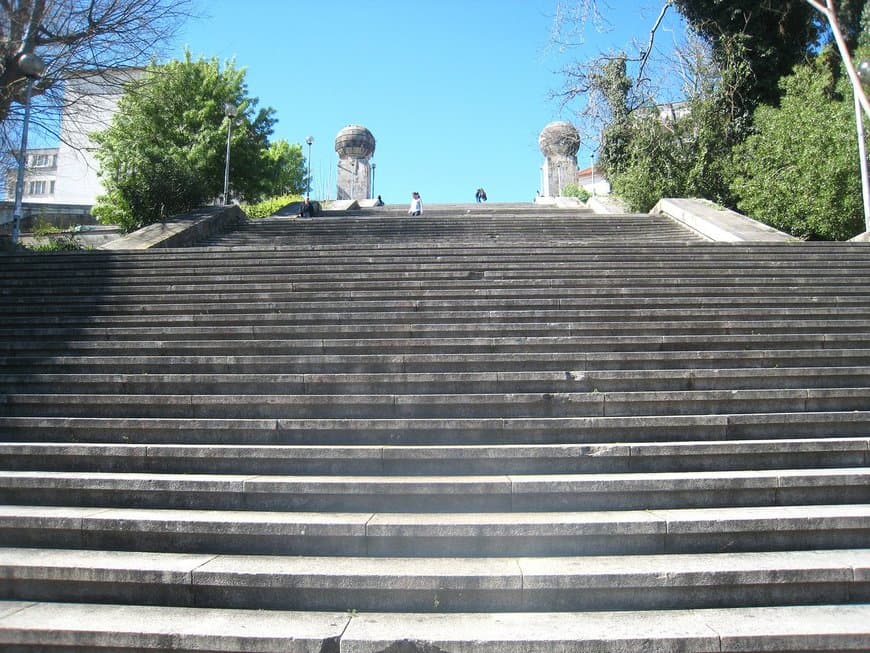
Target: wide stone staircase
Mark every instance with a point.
(497, 428)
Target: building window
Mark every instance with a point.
(37, 187)
(51, 187)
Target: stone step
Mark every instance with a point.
(181, 265)
(89, 627)
(509, 271)
(280, 308)
(436, 382)
(431, 406)
(269, 312)
(416, 315)
(630, 532)
(594, 583)
(531, 324)
(452, 493)
(439, 431)
(813, 336)
(557, 430)
(439, 460)
(750, 258)
(815, 352)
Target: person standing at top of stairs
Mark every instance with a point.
(416, 207)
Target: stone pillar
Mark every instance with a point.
(559, 142)
(355, 146)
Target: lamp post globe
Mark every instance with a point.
(863, 70)
(32, 66)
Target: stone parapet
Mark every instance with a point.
(181, 231)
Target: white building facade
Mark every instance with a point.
(90, 102)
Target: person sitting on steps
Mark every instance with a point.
(306, 210)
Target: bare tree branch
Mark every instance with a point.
(75, 37)
(652, 35)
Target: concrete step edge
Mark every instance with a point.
(483, 534)
(449, 460)
(438, 584)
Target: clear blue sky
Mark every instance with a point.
(454, 91)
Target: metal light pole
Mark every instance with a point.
(32, 67)
(230, 111)
(374, 166)
(863, 70)
(309, 140)
(592, 168)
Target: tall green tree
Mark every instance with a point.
(165, 150)
(776, 34)
(799, 172)
(287, 169)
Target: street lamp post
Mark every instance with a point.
(32, 67)
(230, 111)
(592, 168)
(863, 70)
(308, 140)
(374, 166)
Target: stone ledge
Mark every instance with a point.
(181, 231)
(88, 626)
(786, 630)
(342, 205)
(716, 223)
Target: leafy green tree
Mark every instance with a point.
(287, 169)
(682, 149)
(777, 35)
(799, 172)
(165, 150)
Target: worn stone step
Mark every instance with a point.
(438, 382)
(497, 492)
(488, 325)
(576, 364)
(428, 406)
(504, 277)
(423, 345)
(286, 297)
(641, 582)
(88, 627)
(422, 317)
(439, 460)
(271, 312)
(557, 430)
(684, 530)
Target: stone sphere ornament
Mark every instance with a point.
(355, 142)
(559, 138)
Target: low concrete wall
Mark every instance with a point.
(58, 215)
(181, 231)
(718, 224)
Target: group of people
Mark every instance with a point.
(416, 207)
